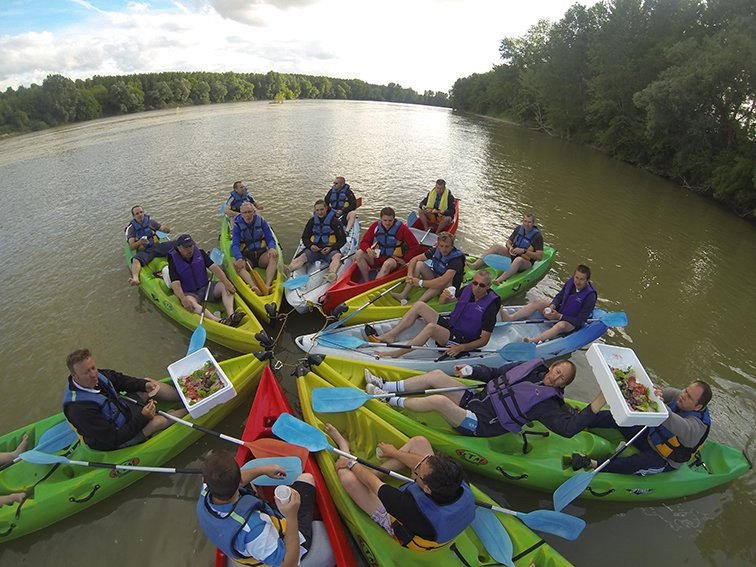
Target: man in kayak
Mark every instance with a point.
(387, 245)
(253, 245)
(93, 405)
(246, 528)
(6, 458)
(468, 327)
(666, 447)
(569, 310)
(447, 269)
(514, 395)
(422, 515)
(322, 239)
(141, 235)
(341, 200)
(239, 195)
(187, 268)
(524, 247)
(438, 206)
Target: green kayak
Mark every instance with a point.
(240, 338)
(57, 491)
(364, 430)
(387, 307)
(533, 458)
(260, 304)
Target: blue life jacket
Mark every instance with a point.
(339, 197)
(467, 317)
(106, 400)
(523, 240)
(192, 275)
(448, 520)
(387, 241)
(441, 263)
(668, 445)
(572, 302)
(512, 396)
(235, 201)
(322, 231)
(252, 236)
(223, 530)
(145, 229)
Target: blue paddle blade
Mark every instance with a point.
(223, 208)
(58, 437)
(411, 218)
(292, 465)
(557, 523)
(296, 283)
(40, 458)
(297, 432)
(517, 351)
(338, 340)
(161, 234)
(197, 341)
(332, 400)
(571, 489)
(498, 262)
(216, 256)
(494, 537)
(614, 319)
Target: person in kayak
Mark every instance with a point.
(239, 195)
(187, 268)
(93, 405)
(246, 528)
(387, 245)
(141, 236)
(5, 459)
(447, 269)
(570, 309)
(468, 327)
(322, 239)
(341, 200)
(438, 207)
(422, 515)
(253, 245)
(666, 447)
(515, 394)
(524, 247)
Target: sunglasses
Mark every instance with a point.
(479, 284)
(417, 466)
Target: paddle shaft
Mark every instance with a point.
(376, 298)
(423, 347)
(427, 392)
(134, 468)
(608, 316)
(620, 450)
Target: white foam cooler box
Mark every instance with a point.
(601, 357)
(189, 364)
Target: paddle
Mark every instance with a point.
(199, 336)
(259, 281)
(299, 281)
(497, 262)
(296, 431)
(332, 400)
(292, 465)
(411, 218)
(39, 458)
(487, 527)
(510, 351)
(161, 234)
(573, 487)
(58, 437)
(376, 298)
(610, 319)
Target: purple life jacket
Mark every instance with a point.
(572, 302)
(512, 395)
(467, 317)
(192, 275)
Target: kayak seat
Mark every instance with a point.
(525, 445)
(320, 554)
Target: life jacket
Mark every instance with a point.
(436, 201)
(448, 520)
(223, 530)
(192, 274)
(441, 263)
(107, 401)
(322, 232)
(339, 197)
(668, 445)
(523, 240)
(145, 229)
(467, 317)
(387, 242)
(512, 396)
(251, 236)
(235, 201)
(572, 302)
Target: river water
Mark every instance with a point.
(681, 267)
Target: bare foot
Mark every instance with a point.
(390, 353)
(21, 446)
(134, 281)
(397, 295)
(337, 437)
(9, 499)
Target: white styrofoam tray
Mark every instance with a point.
(193, 362)
(601, 357)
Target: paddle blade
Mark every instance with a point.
(292, 466)
(411, 218)
(517, 351)
(268, 447)
(161, 234)
(216, 256)
(570, 489)
(296, 431)
(498, 262)
(332, 400)
(259, 281)
(557, 523)
(197, 341)
(614, 319)
(296, 283)
(340, 341)
(58, 437)
(40, 458)
(223, 208)
(494, 537)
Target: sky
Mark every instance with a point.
(422, 44)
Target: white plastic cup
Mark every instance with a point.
(466, 371)
(282, 493)
(548, 311)
(452, 290)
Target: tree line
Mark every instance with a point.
(60, 100)
(667, 85)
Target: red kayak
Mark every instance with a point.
(349, 284)
(269, 403)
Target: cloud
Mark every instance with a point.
(255, 12)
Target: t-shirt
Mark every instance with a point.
(172, 267)
(456, 264)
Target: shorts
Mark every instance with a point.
(253, 255)
(313, 257)
(159, 250)
(380, 260)
(136, 440)
(306, 510)
(382, 518)
(454, 336)
(481, 420)
(199, 294)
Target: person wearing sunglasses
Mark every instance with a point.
(468, 327)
